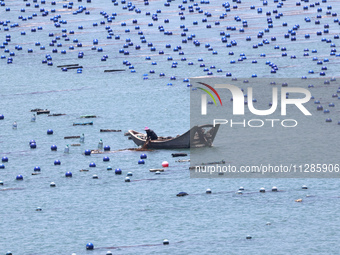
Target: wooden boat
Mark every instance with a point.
(56, 114)
(179, 155)
(72, 137)
(114, 70)
(153, 170)
(110, 130)
(198, 136)
(83, 124)
(88, 116)
(43, 112)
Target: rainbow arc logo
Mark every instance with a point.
(209, 93)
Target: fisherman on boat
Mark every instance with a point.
(151, 135)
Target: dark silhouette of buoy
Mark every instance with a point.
(182, 194)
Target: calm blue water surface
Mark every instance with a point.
(135, 217)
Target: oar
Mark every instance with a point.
(145, 145)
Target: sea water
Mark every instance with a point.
(134, 218)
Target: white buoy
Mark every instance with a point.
(239, 192)
(157, 172)
(100, 144)
(67, 149)
(15, 125)
(165, 241)
(208, 191)
(268, 223)
(95, 176)
(38, 209)
(82, 138)
(274, 188)
(127, 179)
(304, 187)
(1, 183)
(248, 237)
(262, 190)
(52, 184)
(241, 188)
(74, 253)
(33, 118)
(108, 253)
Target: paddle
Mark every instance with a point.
(145, 145)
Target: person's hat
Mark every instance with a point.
(146, 128)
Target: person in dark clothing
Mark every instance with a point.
(150, 134)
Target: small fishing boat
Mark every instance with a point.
(56, 114)
(43, 112)
(88, 116)
(83, 124)
(198, 136)
(110, 130)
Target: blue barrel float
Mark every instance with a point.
(68, 174)
(89, 246)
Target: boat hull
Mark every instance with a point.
(195, 137)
